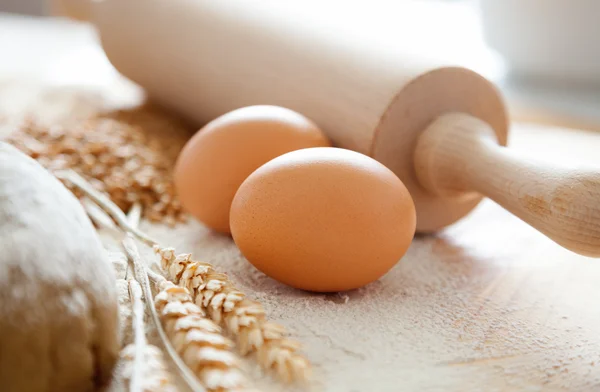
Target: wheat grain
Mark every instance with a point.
(128, 155)
(198, 340)
(144, 367)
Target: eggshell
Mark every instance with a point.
(323, 219)
(216, 160)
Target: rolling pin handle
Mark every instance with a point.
(458, 154)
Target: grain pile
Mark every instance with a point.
(128, 155)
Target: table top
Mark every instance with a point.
(487, 304)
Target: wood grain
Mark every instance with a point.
(459, 154)
(489, 304)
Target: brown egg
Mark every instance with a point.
(215, 162)
(323, 219)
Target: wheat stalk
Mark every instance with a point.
(97, 215)
(144, 368)
(215, 293)
(142, 274)
(197, 340)
(193, 337)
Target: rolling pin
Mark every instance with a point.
(441, 129)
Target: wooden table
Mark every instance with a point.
(488, 304)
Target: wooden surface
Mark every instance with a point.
(489, 304)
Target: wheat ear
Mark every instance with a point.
(213, 291)
(194, 338)
(198, 340)
(144, 368)
(243, 318)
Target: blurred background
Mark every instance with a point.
(543, 54)
(29, 7)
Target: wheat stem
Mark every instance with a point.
(157, 279)
(142, 277)
(144, 368)
(105, 203)
(134, 215)
(98, 215)
(139, 336)
(147, 372)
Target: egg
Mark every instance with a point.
(323, 219)
(216, 160)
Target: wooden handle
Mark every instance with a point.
(459, 154)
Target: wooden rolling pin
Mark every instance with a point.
(442, 130)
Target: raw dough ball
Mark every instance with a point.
(215, 162)
(58, 301)
(323, 219)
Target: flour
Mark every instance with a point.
(442, 319)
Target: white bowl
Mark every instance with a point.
(550, 39)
